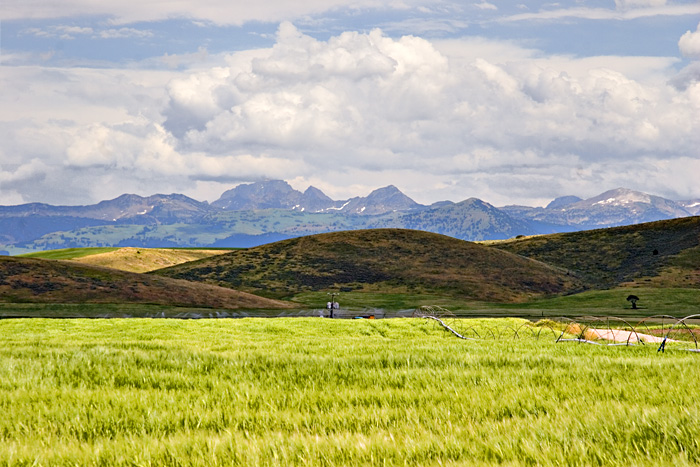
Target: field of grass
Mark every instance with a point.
(334, 392)
(652, 301)
(133, 310)
(673, 302)
(69, 253)
(147, 259)
(387, 301)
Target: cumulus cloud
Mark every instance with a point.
(444, 120)
(308, 92)
(689, 44)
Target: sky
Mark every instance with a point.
(512, 102)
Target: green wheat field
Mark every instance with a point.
(309, 391)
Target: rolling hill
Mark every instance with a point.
(664, 253)
(129, 259)
(29, 280)
(380, 260)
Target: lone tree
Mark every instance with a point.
(633, 300)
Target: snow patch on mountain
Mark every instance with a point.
(626, 197)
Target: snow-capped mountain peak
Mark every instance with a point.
(621, 197)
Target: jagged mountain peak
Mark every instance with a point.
(380, 201)
(268, 194)
(313, 200)
(313, 191)
(278, 194)
(474, 201)
(390, 192)
(387, 190)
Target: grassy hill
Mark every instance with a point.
(69, 253)
(380, 260)
(129, 259)
(46, 281)
(664, 253)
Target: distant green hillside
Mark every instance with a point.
(665, 253)
(380, 260)
(69, 253)
(222, 229)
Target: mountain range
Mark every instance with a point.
(277, 194)
(612, 208)
(261, 212)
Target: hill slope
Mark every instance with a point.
(609, 257)
(46, 281)
(386, 260)
(129, 259)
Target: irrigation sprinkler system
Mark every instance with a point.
(662, 330)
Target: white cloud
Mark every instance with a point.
(174, 61)
(486, 6)
(123, 33)
(440, 120)
(27, 171)
(689, 44)
(60, 31)
(368, 102)
(425, 26)
(626, 10)
(628, 4)
(71, 32)
(215, 11)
